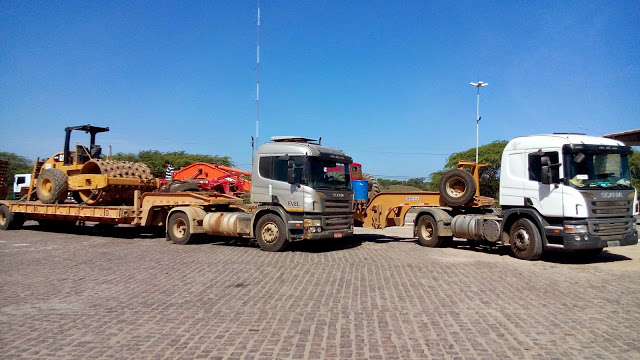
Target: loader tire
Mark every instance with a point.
(374, 187)
(52, 186)
(457, 187)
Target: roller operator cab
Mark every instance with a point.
(307, 184)
(575, 188)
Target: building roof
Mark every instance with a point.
(630, 138)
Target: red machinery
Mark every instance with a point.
(214, 177)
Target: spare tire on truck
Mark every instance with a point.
(374, 187)
(457, 187)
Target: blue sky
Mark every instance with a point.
(385, 81)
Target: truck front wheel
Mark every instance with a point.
(427, 229)
(525, 240)
(179, 228)
(270, 233)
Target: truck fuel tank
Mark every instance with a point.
(476, 227)
(233, 224)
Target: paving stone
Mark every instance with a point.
(123, 294)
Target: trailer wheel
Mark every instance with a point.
(179, 228)
(457, 187)
(52, 186)
(525, 240)
(270, 233)
(9, 220)
(428, 232)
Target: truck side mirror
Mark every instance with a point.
(545, 174)
(291, 172)
(545, 170)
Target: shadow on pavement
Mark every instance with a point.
(557, 256)
(102, 230)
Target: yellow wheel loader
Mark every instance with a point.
(90, 179)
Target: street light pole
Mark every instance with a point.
(478, 85)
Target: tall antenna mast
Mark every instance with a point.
(257, 142)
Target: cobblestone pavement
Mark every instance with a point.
(122, 293)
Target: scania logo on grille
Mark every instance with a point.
(611, 195)
(338, 195)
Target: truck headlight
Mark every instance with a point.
(575, 229)
(312, 222)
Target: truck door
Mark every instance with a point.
(546, 198)
(290, 195)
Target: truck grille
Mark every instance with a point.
(601, 209)
(336, 222)
(605, 227)
(337, 206)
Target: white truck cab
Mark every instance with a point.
(577, 189)
(20, 181)
(568, 191)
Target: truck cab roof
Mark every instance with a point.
(291, 145)
(557, 140)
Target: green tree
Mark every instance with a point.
(154, 159)
(491, 154)
(17, 165)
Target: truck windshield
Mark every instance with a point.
(598, 170)
(328, 174)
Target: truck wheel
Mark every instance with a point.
(52, 186)
(457, 187)
(525, 240)
(179, 228)
(270, 233)
(9, 220)
(428, 232)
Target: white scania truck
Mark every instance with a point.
(568, 191)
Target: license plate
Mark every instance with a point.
(337, 235)
(613, 243)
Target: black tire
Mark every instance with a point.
(179, 228)
(183, 186)
(271, 233)
(52, 186)
(427, 230)
(457, 187)
(9, 220)
(374, 187)
(76, 196)
(525, 240)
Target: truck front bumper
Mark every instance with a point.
(585, 241)
(329, 234)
